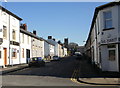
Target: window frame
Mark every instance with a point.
(13, 34)
(111, 59)
(14, 53)
(28, 39)
(111, 48)
(5, 31)
(106, 20)
(23, 38)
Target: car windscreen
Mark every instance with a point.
(34, 59)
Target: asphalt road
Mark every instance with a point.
(55, 73)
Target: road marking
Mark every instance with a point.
(73, 78)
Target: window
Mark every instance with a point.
(14, 34)
(22, 38)
(5, 32)
(14, 53)
(0, 54)
(112, 55)
(107, 19)
(98, 30)
(4, 16)
(22, 53)
(28, 39)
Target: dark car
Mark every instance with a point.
(36, 61)
(56, 58)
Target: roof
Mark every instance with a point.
(96, 13)
(7, 11)
(49, 42)
(30, 34)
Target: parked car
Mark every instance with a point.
(36, 61)
(56, 58)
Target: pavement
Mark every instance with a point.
(89, 75)
(12, 68)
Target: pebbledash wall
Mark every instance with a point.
(10, 38)
(103, 43)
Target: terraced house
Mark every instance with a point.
(9, 38)
(103, 43)
(17, 44)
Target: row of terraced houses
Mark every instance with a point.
(103, 43)
(17, 44)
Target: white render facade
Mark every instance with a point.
(59, 50)
(48, 49)
(25, 46)
(10, 38)
(103, 43)
(37, 47)
(17, 44)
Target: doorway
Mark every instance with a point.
(5, 56)
(27, 55)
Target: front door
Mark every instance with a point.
(5, 56)
(27, 55)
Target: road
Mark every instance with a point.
(55, 73)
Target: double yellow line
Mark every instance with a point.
(74, 76)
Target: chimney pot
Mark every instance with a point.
(34, 32)
(49, 37)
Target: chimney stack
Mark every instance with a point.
(49, 37)
(66, 42)
(23, 26)
(34, 32)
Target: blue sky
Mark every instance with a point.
(58, 19)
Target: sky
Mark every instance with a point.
(61, 20)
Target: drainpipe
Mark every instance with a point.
(9, 41)
(19, 47)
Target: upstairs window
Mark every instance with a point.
(107, 19)
(14, 35)
(5, 32)
(22, 38)
(28, 39)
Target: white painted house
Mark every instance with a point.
(25, 44)
(59, 49)
(9, 38)
(37, 46)
(103, 43)
(56, 45)
(48, 49)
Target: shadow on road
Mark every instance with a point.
(63, 69)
